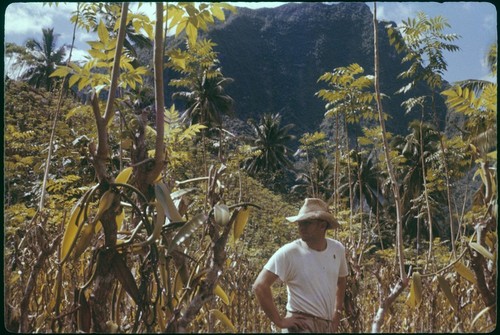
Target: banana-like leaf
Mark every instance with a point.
(465, 272)
(104, 204)
(72, 229)
(224, 319)
(123, 274)
(186, 231)
(445, 287)
(221, 294)
(124, 175)
(84, 240)
(221, 214)
(415, 295)
(482, 250)
(241, 222)
(162, 194)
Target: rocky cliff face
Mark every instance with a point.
(277, 55)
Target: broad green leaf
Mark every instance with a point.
(445, 287)
(186, 231)
(482, 250)
(224, 319)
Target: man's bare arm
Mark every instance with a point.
(262, 290)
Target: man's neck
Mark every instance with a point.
(318, 245)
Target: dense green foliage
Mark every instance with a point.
(141, 231)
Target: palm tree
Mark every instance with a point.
(366, 187)
(422, 144)
(42, 57)
(318, 181)
(270, 148)
(207, 102)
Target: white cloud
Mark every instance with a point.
(26, 18)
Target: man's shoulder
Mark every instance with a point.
(334, 243)
(290, 247)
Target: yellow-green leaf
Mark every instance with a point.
(218, 12)
(102, 32)
(224, 319)
(104, 204)
(61, 71)
(192, 33)
(445, 287)
(84, 240)
(162, 194)
(72, 229)
(482, 250)
(221, 294)
(465, 272)
(240, 222)
(124, 175)
(119, 220)
(415, 295)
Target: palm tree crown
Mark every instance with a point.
(269, 145)
(42, 57)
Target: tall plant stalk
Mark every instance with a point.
(398, 289)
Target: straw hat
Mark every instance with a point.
(315, 209)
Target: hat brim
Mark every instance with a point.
(327, 217)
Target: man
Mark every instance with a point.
(314, 269)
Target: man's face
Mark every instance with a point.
(311, 230)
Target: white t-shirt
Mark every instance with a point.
(310, 275)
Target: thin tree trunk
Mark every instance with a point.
(394, 182)
(401, 285)
(56, 116)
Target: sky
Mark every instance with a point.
(475, 22)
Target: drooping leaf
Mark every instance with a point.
(465, 272)
(240, 222)
(72, 229)
(445, 287)
(124, 175)
(84, 240)
(123, 274)
(221, 294)
(224, 319)
(482, 250)
(415, 295)
(162, 193)
(186, 231)
(104, 204)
